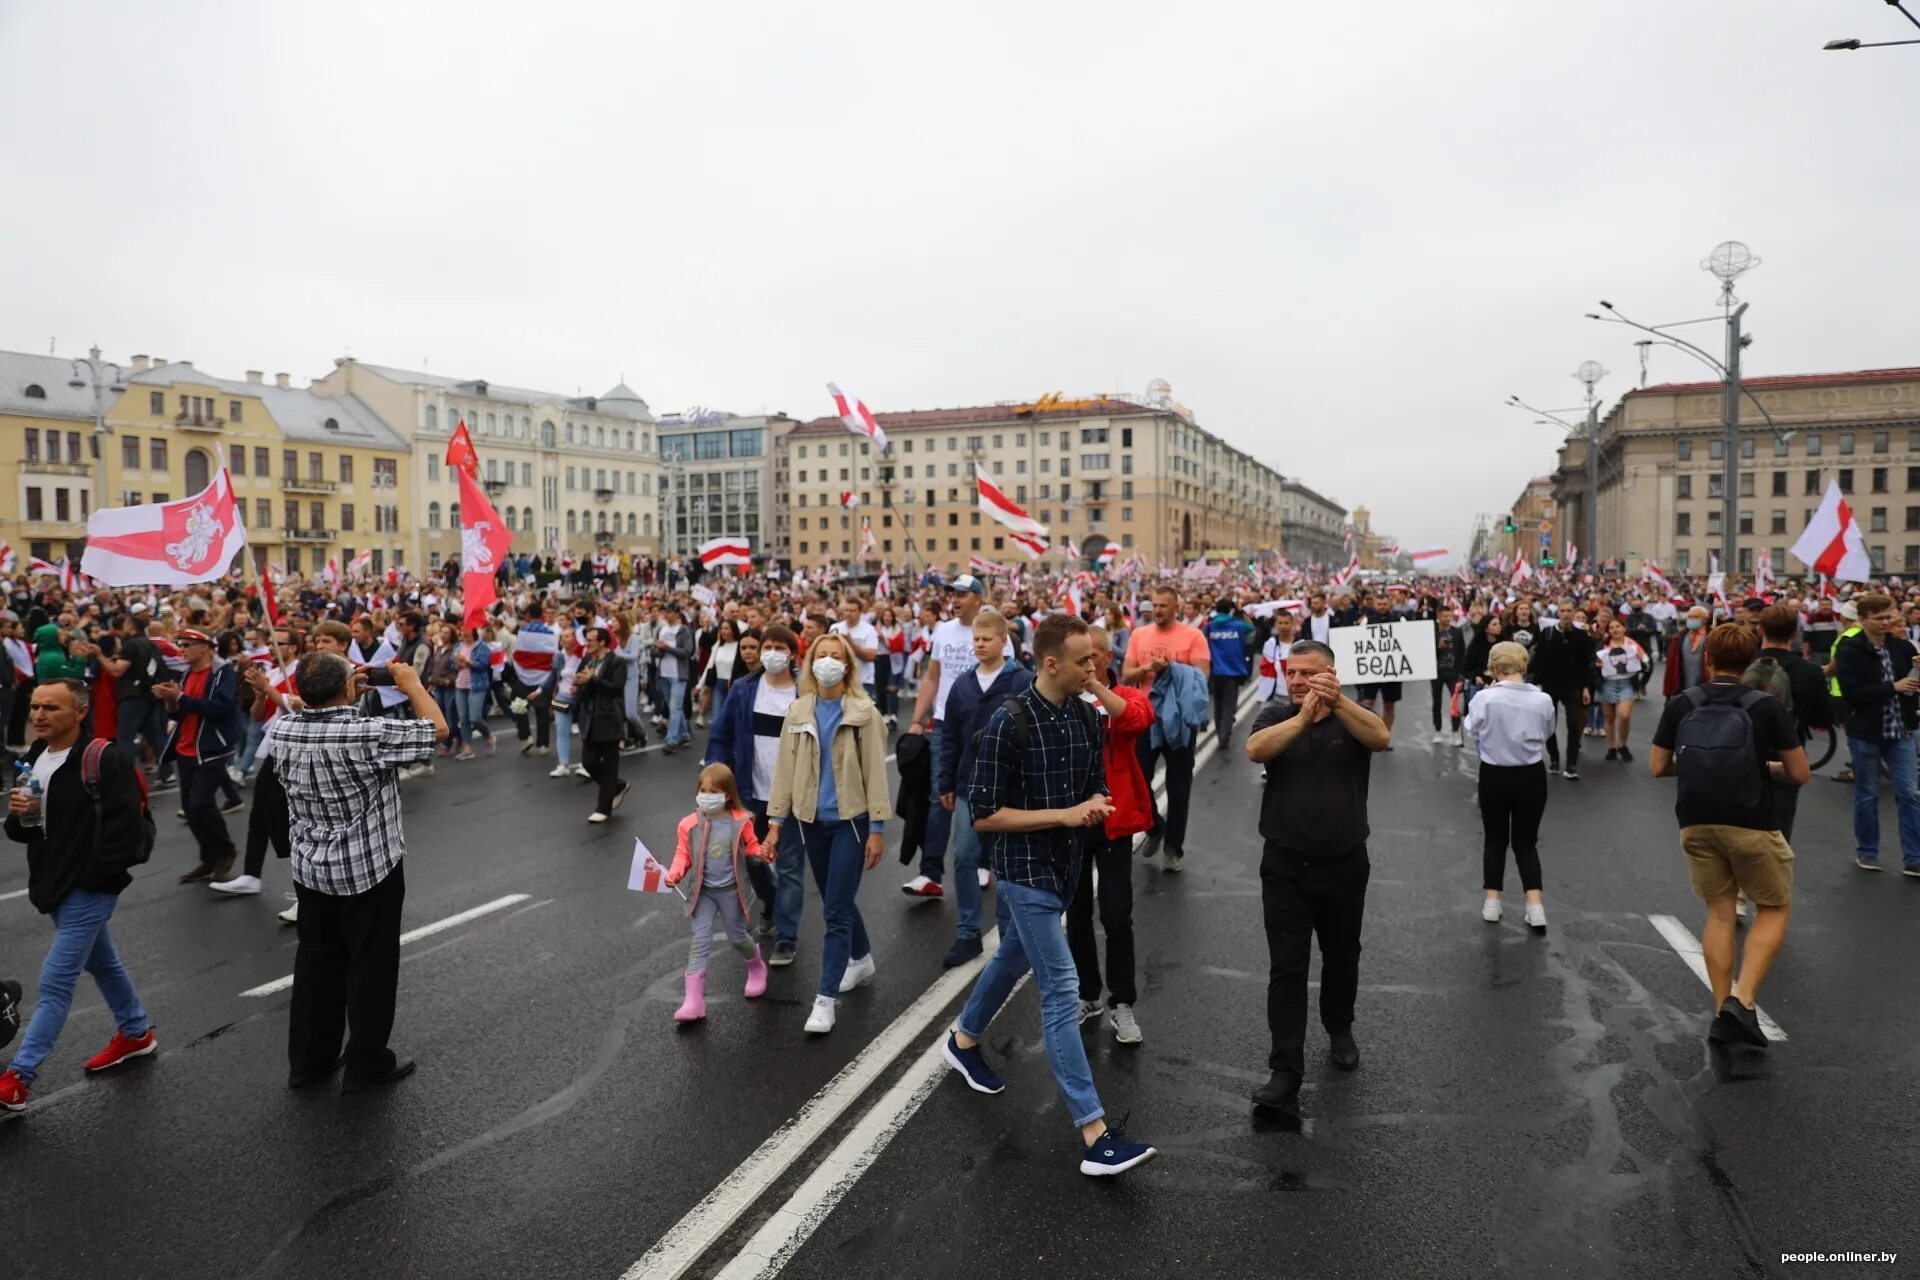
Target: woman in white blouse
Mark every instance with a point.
(1509, 724)
(1620, 661)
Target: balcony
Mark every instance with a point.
(309, 535)
(50, 530)
(198, 422)
(603, 538)
(312, 484)
(494, 488)
(604, 495)
(37, 467)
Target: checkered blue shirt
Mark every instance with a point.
(343, 796)
(1061, 767)
(1892, 728)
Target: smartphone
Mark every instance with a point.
(378, 677)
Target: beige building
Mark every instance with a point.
(1662, 464)
(1312, 528)
(1139, 473)
(1531, 515)
(568, 474)
(46, 447)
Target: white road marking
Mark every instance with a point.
(1681, 939)
(687, 1240)
(17, 893)
(413, 935)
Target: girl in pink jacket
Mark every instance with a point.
(720, 830)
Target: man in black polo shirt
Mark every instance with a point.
(1318, 749)
(1812, 706)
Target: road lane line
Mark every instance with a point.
(17, 893)
(1681, 939)
(424, 931)
(689, 1239)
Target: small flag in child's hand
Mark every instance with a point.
(647, 874)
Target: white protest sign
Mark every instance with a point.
(1383, 653)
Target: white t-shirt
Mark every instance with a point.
(986, 681)
(769, 709)
(866, 636)
(43, 773)
(953, 650)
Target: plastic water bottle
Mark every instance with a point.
(25, 781)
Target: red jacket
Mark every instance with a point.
(1126, 783)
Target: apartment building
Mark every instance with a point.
(717, 478)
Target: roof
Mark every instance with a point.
(625, 403)
(300, 414)
(20, 370)
(917, 418)
(1288, 482)
(1785, 380)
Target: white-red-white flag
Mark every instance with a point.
(1073, 551)
(849, 500)
(1003, 509)
(1522, 570)
(69, 576)
(1035, 547)
(1070, 597)
(177, 544)
(1832, 543)
(858, 417)
(9, 559)
(980, 564)
(883, 585)
(647, 874)
(866, 536)
(330, 574)
(360, 565)
(730, 549)
(1345, 576)
(1419, 555)
(1107, 555)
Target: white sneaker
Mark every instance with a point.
(1439, 738)
(986, 878)
(820, 1021)
(559, 771)
(859, 973)
(596, 817)
(239, 884)
(1459, 738)
(1490, 911)
(1089, 1010)
(921, 887)
(1126, 1028)
(580, 771)
(1536, 916)
(292, 914)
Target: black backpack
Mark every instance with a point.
(1715, 756)
(90, 779)
(1020, 727)
(143, 665)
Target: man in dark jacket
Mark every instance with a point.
(1812, 708)
(1564, 669)
(1878, 683)
(79, 852)
(599, 702)
(206, 730)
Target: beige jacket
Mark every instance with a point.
(859, 763)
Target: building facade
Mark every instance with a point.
(1138, 473)
(717, 478)
(1663, 460)
(1312, 528)
(569, 475)
(46, 449)
(1531, 515)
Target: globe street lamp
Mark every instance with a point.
(1588, 375)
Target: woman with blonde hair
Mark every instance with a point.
(1509, 724)
(830, 779)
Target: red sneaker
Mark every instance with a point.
(921, 887)
(13, 1092)
(122, 1047)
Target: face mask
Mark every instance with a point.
(1580, 624)
(711, 801)
(776, 661)
(1694, 624)
(829, 672)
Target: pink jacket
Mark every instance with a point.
(692, 834)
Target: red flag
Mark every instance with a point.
(483, 544)
(460, 454)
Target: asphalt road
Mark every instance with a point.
(1527, 1105)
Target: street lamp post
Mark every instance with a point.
(98, 444)
(1878, 44)
(1588, 374)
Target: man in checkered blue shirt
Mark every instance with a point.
(1039, 781)
(340, 771)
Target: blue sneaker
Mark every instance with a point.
(972, 1064)
(1114, 1152)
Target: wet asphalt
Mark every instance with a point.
(1527, 1104)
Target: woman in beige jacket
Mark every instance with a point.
(830, 778)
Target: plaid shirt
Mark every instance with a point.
(343, 797)
(1891, 727)
(1061, 767)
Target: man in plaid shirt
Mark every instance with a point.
(340, 772)
(1039, 781)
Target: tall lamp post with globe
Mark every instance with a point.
(1587, 375)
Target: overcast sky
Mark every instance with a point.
(1343, 232)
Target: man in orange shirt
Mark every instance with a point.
(1151, 650)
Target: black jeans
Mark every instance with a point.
(1302, 899)
(541, 709)
(1113, 859)
(601, 760)
(200, 787)
(136, 718)
(1442, 692)
(760, 874)
(1173, 828)
(267, 821)
(346, 974)
(1512, 798)
(1226, 701)
(1568, 700)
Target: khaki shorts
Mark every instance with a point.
(1721, 859)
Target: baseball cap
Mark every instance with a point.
(138, 606)
(967, 582)
(187, 635)
(1849, 611)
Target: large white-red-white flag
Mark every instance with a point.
(858, 417)
(1650, 572)
(174, 544)
(1345, 575)
(883, 585)
(1107, 555)
(730, 549)
(1832, 542)
(980, 564)
(360, 565)
(1035, 547)
(1420, 555)
(483, 545)
(1003, 509)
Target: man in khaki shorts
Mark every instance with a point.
(1731, 747)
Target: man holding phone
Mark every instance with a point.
(1876, 671)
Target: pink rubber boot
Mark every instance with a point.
(694, 1008)
(756, 975)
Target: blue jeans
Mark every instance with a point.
(834, 852)
(1032, 937)
(1898, 755)
(933, 854)
(678, 734)
(473, 714)
(563, 735)
(256, 731)
(719, 704)
(448, 700)
(967, 861)
(80, 941)
(789, 887)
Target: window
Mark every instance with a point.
(237, 459)
(1813, 483)
(62, 511)
(1845, 476)
(1912, 564)
(1714, 524)
(157, 455)
(1913, 519)
(1879, 557)
(233, 411)
(1683, 560)
(1746, 484)
(290, 465)
(316, 467)
(546, 435)
(1126, 490)
(1846, 442)
(129, 451)
(1813, 446)
(1877, 520)
(1745, 560)
(1683, 486)
(1126, 463)
(1879, 479)
(1683, 450)
(1880, 442)
(953, 443)
(157, 403)
(976, 443)
(262, 513)
(35, 511)
(433, 418)
(73, 446)
(1746, 447)
(1779, 447)
(1716, 486)
(260, 467)
(346, 468)
(1746, 526)
(318, 513)
(1683, 523)
(1778, 521)
(1126, 513)
(1779, 484)
(1093, 461)
(1717, 449)
(526, 474)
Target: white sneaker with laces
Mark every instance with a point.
(1459, 738)
(1439, 738)
(820, 1021)
(1126, 1028)
(859, 973)
(292, 914)
(580, 771)
(559, 771)
(237, 885)
(1536, 916)
(1490, 911)
(596, 817)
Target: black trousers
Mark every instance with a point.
(346, 974)
(1512, 799)
(1301, 900)
(1442, 693)
(200, 787)
(1173, 828)
(1113, 860)
(541, 709)
(1568, 700)
(1226, 701)
(267, 820)
(601, 760)
(759, 874)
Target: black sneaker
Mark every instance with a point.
(9, 1011)
(962, 950)
(1737, 1023)
(1572, 774)
(1345, 1053)
(1613, 753)
(233, 806)
(1282, 1089)
(782, 954)
(1114, 1152)
(1626, 753)
(972, 1065)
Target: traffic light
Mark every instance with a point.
(1510, 525)
(1546, 560)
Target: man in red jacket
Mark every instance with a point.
(1109, 853)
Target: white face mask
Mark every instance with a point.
(711, 801)
(776, 661)
(829, 672)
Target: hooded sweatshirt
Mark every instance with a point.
(50, 660)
